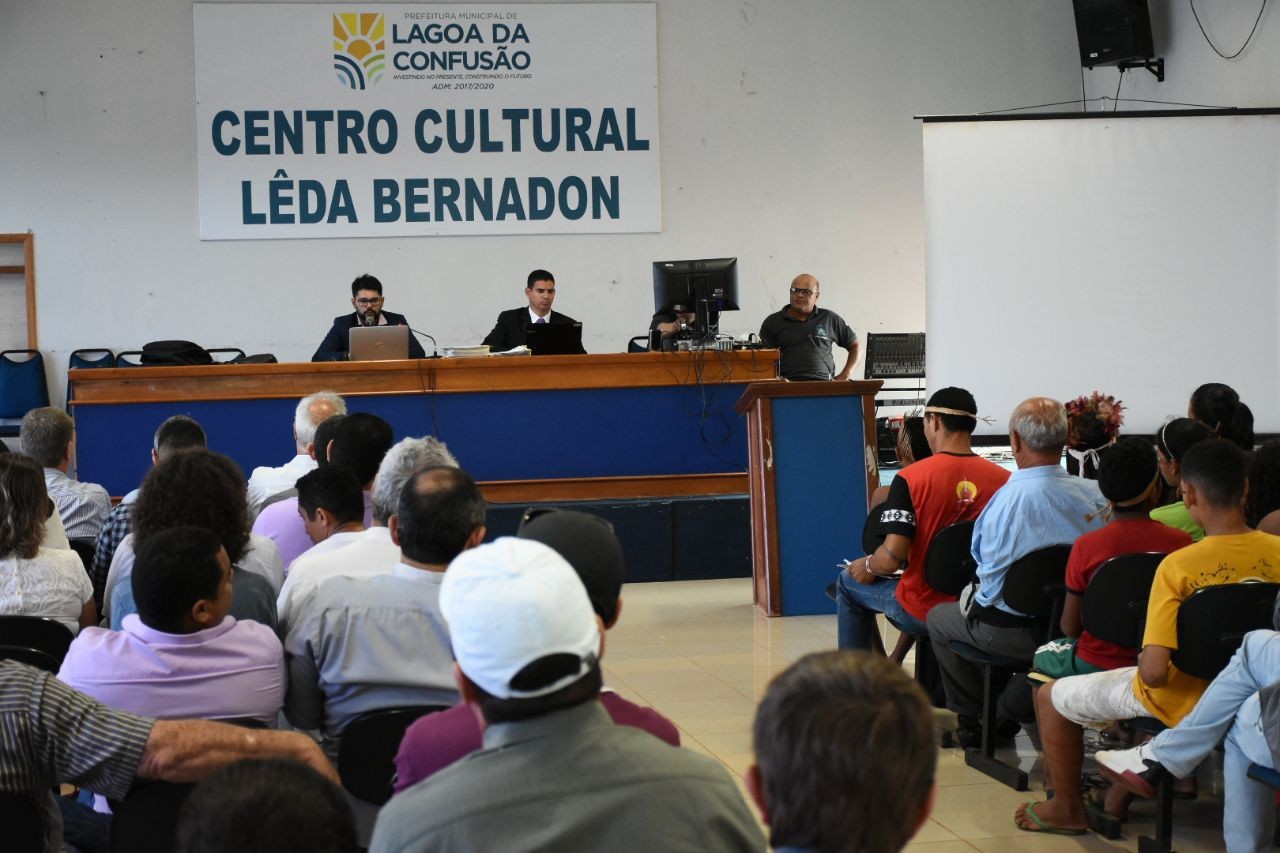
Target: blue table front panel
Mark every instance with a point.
(506, 435)
(821, 488)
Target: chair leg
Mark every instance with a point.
(983, 758)
(1163, 842)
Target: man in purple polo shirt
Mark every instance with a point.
(181, 655)
(588, 544)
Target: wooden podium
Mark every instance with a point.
(813, 466)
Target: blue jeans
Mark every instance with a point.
(857, 605)
(1230, 707)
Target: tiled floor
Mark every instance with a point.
(702, 654)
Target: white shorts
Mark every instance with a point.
(1099, 698)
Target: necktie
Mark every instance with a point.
(540, 320)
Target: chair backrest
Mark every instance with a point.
(122, 361)
(146, 820)
(31, 657)
(1212, 623)
(234, 352)
(367, 751)
(23, 822)
(1114, 609)
(948, 565)
(84, 359)
(640, 343)
(37, 632)
(85, 549)
(22, 383)
(1034, 584)
(872, 535)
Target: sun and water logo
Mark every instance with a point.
(359, 48)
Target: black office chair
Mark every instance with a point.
(85, 550)
(1114, 610)
(1033, 585)
(1212, 623)
(20, 636)
(367, 752)
(23, 821)
(949, 562)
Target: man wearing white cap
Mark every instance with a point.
(555, 772)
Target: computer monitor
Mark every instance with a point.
(704, 288)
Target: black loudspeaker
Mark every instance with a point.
(1113, 31)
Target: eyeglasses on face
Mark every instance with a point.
(375, 300)
(802, 291)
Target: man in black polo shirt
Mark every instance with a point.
(804, 333)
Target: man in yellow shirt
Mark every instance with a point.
(1213, 485)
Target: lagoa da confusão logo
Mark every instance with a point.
(359, 48)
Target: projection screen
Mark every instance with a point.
(1132, 254)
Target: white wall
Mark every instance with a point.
(787, 140)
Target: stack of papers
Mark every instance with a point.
(465, 352)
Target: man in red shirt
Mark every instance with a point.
(952, 485)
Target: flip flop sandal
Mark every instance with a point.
(1044, 827)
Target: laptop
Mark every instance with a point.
(554, 338)
(379, 343)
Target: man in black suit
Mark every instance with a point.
(366, 298)
(508, 332)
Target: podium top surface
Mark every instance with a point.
(778, 388)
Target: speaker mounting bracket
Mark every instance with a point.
(1155, 66)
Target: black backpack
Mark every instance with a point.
(174, 353)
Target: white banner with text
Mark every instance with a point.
(404, 120)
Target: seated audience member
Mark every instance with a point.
(176, 433)
(1173, 440)
(48, 436)
(509, 330)
(372, 552)
(359, 442)
(1218, 407)
(199, 488)
(1213, 481)
(1093, 422)
(528, 646)
(831, 730)
(313, 410)
(34, 580)
(1238, 710)
(1129, 478)
(1262, 504)
(588, 543)
(953, 484)
(1040, 505)
(267, 805)
(367, 299)
(181, 655)
(331, 506)
(54, 734)
(359, 644)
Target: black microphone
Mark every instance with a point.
(369, 318)
(435, 348)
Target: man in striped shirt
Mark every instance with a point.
(50, 734)
(48, 436)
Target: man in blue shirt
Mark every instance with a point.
(1040, 505)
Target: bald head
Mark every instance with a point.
(1040, 426)
(805, 280)
(804, 295)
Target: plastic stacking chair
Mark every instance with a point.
(1212, 623)
(87, 359)
(367, 752)
(949, 562)
(20, 635)
(1034, 586)
(135, 354)
(23, 387)
(640, 343)
(234, 352)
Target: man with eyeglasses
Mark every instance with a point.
(804, 333)
(366, 298)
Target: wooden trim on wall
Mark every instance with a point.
(612, 488)
(496, 373)
(28, 271)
